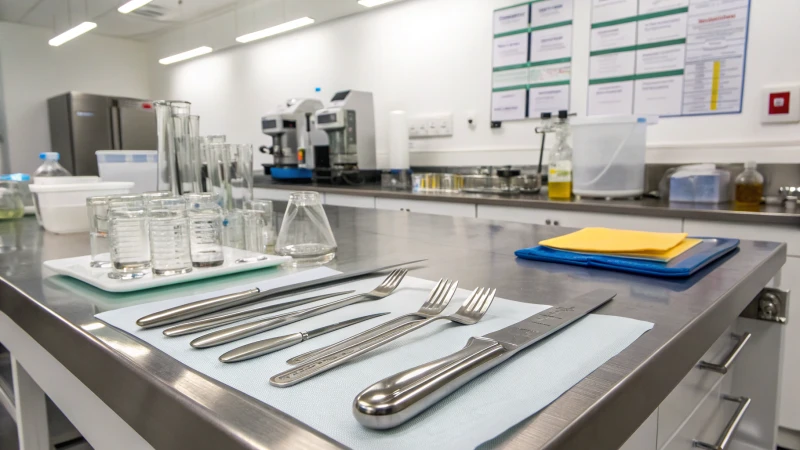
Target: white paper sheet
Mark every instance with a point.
(510, 50)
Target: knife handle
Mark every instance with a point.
(198, 308)
(258, 348)
(400, 397)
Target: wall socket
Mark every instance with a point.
(430, 126)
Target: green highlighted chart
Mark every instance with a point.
(531, 59)
(667, 57)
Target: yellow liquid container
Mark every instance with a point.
(559, 190)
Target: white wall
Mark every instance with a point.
(430, 56)
(33, 71)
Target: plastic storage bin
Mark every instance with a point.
(608, 156)
(138, 166)
(701, 183)
(63, 206)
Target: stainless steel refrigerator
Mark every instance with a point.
(81, 124)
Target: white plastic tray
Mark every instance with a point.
(78, 267)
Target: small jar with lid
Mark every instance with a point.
(749, 185)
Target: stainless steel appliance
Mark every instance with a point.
(81, 124)
(349, 122)
(293, 138)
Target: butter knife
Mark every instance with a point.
(397, 399)
(211, 305)
(270, 345)
(207, 323)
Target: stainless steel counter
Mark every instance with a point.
(172, 406)
(765, 215)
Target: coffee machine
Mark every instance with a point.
(293, 138)
(349, 122)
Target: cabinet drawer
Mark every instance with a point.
(353, 201)
(426, 207)
(707, 423)
(577, 219)
(271, 194)
(680, 403)
(776, 233)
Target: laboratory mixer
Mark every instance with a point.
(293, 138)
(349, 122)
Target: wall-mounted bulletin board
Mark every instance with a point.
(667, 57)
(531, 59)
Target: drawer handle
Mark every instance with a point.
(729, 360)
(733, 424)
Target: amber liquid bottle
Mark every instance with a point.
(749, 186)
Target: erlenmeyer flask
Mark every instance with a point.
(305, 233)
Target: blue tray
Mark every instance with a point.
(684, 265)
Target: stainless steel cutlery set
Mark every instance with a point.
(396, 399)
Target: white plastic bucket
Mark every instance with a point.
(63, 206)
(608, 156)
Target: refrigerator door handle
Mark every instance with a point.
(116, 139)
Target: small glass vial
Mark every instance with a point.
(267, 214)
(205, 229)
(254, 231)
(130, 249)
(97, 208)
(170, 252)
(749, 186)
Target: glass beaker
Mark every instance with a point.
(205, 159)
(170, 138)
(254, 231)
(130, 249)
(168, 225)
(267, 231)
(232, 174)
(233, 229)
(305, 233)
(97, 208)
(205, 223)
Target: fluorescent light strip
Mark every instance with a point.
(277, 29)
(371, 3)
(132, 5)
(72, 33)
(185, 55)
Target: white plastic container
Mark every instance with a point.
(138, 166)
(608, 156)
(63, 206)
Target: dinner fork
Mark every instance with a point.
(237, 332)
(437, 301)
(470, 312)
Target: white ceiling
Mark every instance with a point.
(152, 19)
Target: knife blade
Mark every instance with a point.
(211, 305)
(270, 345)
(400, 397)
(217, 320)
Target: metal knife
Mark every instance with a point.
(218, 320)
(270, 345)
(210, 305)
(395, 400)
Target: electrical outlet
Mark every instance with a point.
(430, 126)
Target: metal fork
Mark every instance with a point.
(248, 329)
(437, 301)
(470, 312)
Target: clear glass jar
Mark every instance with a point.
(168, 225)
(749, 185)
(129, 244)
(97, 209)
(268, 217)
(305, 232)
(11, 206)
(205, 229)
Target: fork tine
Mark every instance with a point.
(435, 291)
(479, 293)
(399, 278)
(451, 292)
(484, 297)
(440, 296)
(391, 278)
(488, 302)
(478, 301)
(472, 296)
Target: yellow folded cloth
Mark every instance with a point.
(608, 240)
(666, 256)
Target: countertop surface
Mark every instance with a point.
(728, 212)
(172, 406)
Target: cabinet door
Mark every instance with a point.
(789, 414)
(577, 219)
(353, 201)
(426, 207)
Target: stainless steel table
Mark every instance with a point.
(171, 406)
